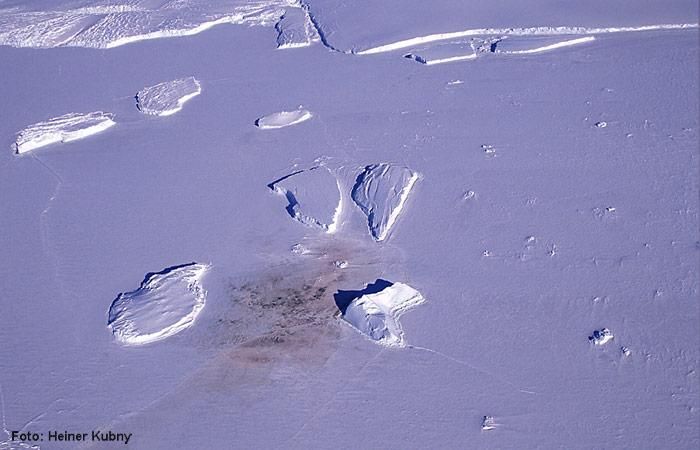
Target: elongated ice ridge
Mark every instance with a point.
(165, 304)
(295, 29)
(376, 315)
(381, 191)
(66, 128)
(532, 31)
(283, 119)
(167, 98)
(526, 48)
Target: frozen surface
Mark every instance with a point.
(167, 98)
(558, 195)
(376, 315)
(295, 29)
(66, 128)
(602, 337)
(381, 191)
(313, 197)
(283, 119)
(165, 304)
(512, 45)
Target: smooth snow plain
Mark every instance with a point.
(550, 233)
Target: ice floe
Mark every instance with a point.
(283, 119)
(313, 197)
(381, 191)
(167, 98)
(106, 24)
(601, 337)
(295, 29)
(66, 128)
(375, 311)
(166, 303)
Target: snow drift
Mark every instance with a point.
(167, 98)
(66, 128)
(166, 303)
(283, 119)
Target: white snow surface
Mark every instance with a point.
(377, 315)
(381, 191)
(283, 119)
(313, 197)
(167, 98)
(66, 128)
(295, 29)
(165, 304)
(512, 45)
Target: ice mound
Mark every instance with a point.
(381, 191)
(66, 128)
(108, 24)
(601, 337)
(313, 197)
(166, 303)
(167, 98)
(375, 311)
(283, 119)
(518, 45)
(295, 29)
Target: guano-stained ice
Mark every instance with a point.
(376, 315)
(167, 98)
(66, 128)
(283, 119)
(381, 191)
(165, 304)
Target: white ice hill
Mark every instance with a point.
(283, 119)
(167, 98)
(166, 303)
(66, 128)
(381, 191)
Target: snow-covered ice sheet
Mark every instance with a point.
(381, 192)
(168, 97)
(313, 197)
(283, 119)
(66, 128)
(295, 29)
(529, 45)
(376, 314)
(165, 304)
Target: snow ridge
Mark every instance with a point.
(66, 128)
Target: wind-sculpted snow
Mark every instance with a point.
(441, 54)
(66, 128)
(313, 197)
(167, 98)
(381, 191)
(107, 24)
(283, 119)
(166, 303)
(295, 29)
(376, 310)
(512, 45)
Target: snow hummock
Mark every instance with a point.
(313, 197)
(66, 128)
(295, 29)
(376, 315)
(283, 119)
(601, 337)
(166, 303)
(381, 191)
(167, 98)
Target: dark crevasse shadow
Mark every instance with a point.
(344, 298)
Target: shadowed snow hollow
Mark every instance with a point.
(313, 197)
(166, 303)
(376, 313)
(167, 98)
(381, 191)
(283, 119)
(66, 128)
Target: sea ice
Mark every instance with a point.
(66, 128)
(601, 337)
(381, 191)
(440, 54)
(295, 29)
(313, 197)
(524, 45)
(283, 119)
(166, 303)
(376, 314)
(167, 98)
